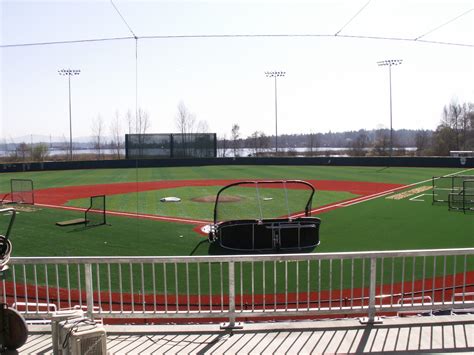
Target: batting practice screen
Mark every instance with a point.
(95, 214)
(22, 191)
(170, 145)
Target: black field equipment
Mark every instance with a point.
(265, 216)
(13, 328)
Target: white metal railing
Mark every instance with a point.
(234, 288)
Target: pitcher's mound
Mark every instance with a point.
(213, 199)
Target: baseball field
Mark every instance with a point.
(361, 209)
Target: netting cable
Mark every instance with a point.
(353, 17)
(444, 24)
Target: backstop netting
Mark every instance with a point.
(172, 145)
(443, 186)
(464, 199)
(95, 214)
(22, 191)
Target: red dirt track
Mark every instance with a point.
(57, 197)
(440, 289)
(61, 195)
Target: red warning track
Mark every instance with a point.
(57, 197)
(439, 289)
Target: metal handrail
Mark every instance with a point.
(239, 258)
(132, 299)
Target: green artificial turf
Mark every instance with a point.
(378, 224)
(46, 179)
(148, 202)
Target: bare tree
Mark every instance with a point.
(468, 119)
(444, 140)
(64, 146)
(130, 122)
(142, 124)
(39, 152)
(452, 118)
(235, 134)
(185, 122)
(202, 127)
(382, 142)
(22, 151)
(313, 142)
(422, 139)
(98, 135)
(116, 134)
(456, 129)
(360, 144)
(260, 142)
(223, 145)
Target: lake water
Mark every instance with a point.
(244, 152)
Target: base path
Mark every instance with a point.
(57, 197)
(61, 195)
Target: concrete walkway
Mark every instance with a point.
(439, 334)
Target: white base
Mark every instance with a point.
(231, 326)
(366, 320)
(170, 199)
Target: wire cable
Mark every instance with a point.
(74, 41)
(123, 19)
(444, 24)
(308, 35)
(353, 17)
(216, 36)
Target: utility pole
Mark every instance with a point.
(390, 63)
(69, 73)
(275, 74)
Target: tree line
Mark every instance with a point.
(455, 132)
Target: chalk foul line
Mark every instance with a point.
(347, 203)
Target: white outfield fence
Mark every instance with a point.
(250, 287)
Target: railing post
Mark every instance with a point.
(371, 319)
(231, 324)
(89, 291)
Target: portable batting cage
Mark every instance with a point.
(265, 216)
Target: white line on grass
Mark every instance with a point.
(361, 199)
(384, 193)
(128, 214)
(415, 199)
(351, 202)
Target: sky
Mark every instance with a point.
(332, 83)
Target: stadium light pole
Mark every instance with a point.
(390, 63)
(69, 73)
(275, 74)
